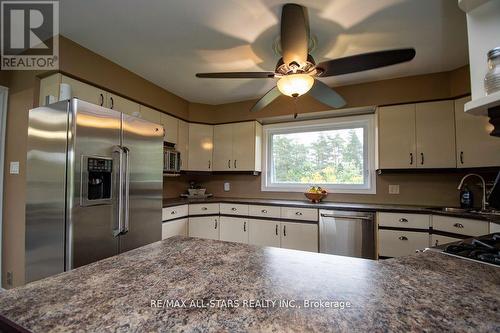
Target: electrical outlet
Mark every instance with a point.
(393, 189)
(227, 187)
(10, 278)
(14, 168)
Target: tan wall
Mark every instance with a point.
(23, 95)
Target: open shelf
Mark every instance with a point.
(480, 106)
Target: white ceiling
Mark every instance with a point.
(168, 41)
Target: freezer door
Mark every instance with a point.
(92, 165)
(142, 142)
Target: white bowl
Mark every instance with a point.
(197, 191)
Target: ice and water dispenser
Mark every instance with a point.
(97, 180)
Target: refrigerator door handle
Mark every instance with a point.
(126, 205)
(118, 189)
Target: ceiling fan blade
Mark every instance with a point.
(265, 100)
(237, 75)
(365, 61)
(326, 95)
(294, 34)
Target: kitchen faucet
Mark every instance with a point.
(483, 203)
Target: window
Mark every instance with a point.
(337, 154)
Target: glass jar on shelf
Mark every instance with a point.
(492, 78)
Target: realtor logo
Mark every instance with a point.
(29, 36)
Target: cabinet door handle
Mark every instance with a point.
(101, 103)
(245, 226)
(112, 103)
(403, 238)
(215, 223)
(173, 212)
(284, 230)
(209, 164)
(276, 230)
(204, 208)
(298, 213)
(234, 209)
(403, 220)
(229, 164)
(462, 157)
(264, 211)
(422, 156)
(411, 158)
(235, 164)
(458, 225)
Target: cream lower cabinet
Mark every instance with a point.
(398, 243)
(264, 233)
(475, 146)
(299, 236)
(234, 229)
(183, 143)
(174, 228)
(237, 147)
(204, 227)
(200, 147)
(437, 240)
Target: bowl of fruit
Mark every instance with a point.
(315, 194)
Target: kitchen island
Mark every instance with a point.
(189, 284)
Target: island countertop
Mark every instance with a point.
(426, 291)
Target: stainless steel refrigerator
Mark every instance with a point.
(94, 185)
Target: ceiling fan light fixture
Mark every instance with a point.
(295, 85)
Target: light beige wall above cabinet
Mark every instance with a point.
(418, 135)
(200, 147)
(171, 126)
(435, 128)
(475, 146)
(237, 146)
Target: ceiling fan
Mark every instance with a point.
(296, 70)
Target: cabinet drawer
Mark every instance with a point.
(403, 220)
(175, 212)
(437, 240)
(174, 228)
(395, 243)
(233, 209)
(460, 226)
(204, 209)
(265, 211)
(304, 214)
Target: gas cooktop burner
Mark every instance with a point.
(485, 249)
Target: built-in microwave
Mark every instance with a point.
(171, 160)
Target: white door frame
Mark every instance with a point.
(4, 93)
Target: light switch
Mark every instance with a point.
(14, 168)
(227, 187)
(393, 189)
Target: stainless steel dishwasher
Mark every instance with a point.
(347, 233)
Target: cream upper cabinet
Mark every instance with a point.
(49, 86)
(121, 104)
(85, 92)
(150, 114)
(183, 143)
(264, 233)
(171, 126)
(435, 127)
(299, 236)
(397, 146)
(237, 147)
(475, 146)
(200, 147)
(223, 147)
(234, 229)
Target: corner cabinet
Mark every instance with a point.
(237, 147)
(475, 146)
(200, 147)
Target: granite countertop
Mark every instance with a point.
(336, 205)
(422, 292)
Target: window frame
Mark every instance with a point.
(367, 122)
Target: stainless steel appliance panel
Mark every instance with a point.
(46, 191)
(95, 132)
(143, 145)
(347, 233)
